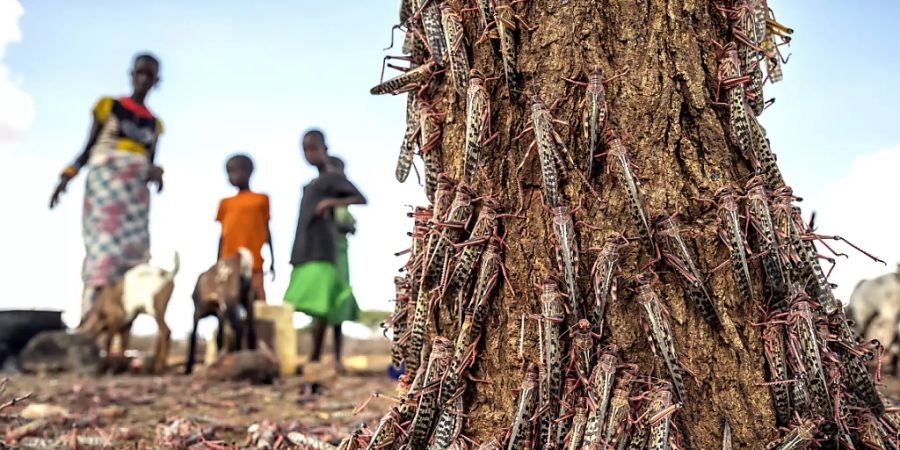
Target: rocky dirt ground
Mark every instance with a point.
(181, 412)
(177, 411)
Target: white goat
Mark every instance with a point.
(143, 285)
(875, 307)
(145, 289)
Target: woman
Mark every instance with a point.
(119, 155)
(315, 286)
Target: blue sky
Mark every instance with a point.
(251, 76)
(839, 97)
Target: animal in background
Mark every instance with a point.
(145, 289)
(875, 307)
(222, 291)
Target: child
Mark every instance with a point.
(245, 221)
(315, 286)
(119, 154)
(346, 307)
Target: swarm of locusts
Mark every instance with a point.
(580, 392)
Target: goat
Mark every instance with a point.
(222, 291)
(145, 289)
(875, 307)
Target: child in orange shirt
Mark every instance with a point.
(245, 221)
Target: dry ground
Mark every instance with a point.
(176, 411)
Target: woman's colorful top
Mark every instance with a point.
(126, 126)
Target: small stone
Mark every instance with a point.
(245, 365)
(43, 410)
(60, 351)
(110, 412)
(29, 429)
(249, 409)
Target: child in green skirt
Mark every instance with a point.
(316, 287)
(346, 308)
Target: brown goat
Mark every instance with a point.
(221, 291)
(145, 289)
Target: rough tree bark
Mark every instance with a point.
(663, 105)
(678, 141)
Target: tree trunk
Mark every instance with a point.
(660, 64)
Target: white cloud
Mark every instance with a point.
(16, 107)
(861, 205)
(10, 11)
